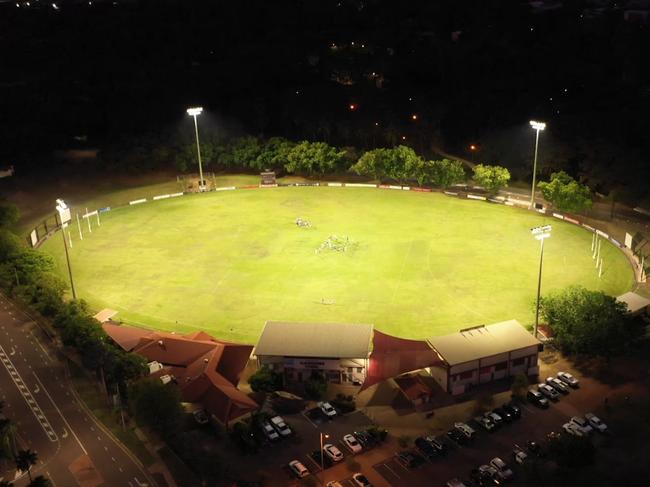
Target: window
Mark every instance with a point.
(466, 375)
(518, 361)
(486, 370)
(501, 366)
(359, 370)
(350, 370)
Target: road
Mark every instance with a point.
(73, 448)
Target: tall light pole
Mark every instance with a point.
(322, 460)
(194, 112)
(538, 127)
(64, 219)
(541, 234)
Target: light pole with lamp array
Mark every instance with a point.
(64, 219)
(538, 127)
(195, 112)
(541, 234)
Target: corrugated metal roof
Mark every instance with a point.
(322, 340)
(483, 341)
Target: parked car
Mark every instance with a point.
(548, 391)
(568, 379)
(583, 424)
(455, 483)
(332, 452)
(360, 480)
(280, 426)
(457, 437)
(503, 414)
(407, 459)
(334, 483)
(485, 475)
(439, 445)
(495, 418)
(557, 384)
(503, 471)
(465, 429)
(513, 409)
(573, 429)
(327, 409)
(352, 443)
(519, 455)
(201, 416)
(298, 469)
(596, 423)
(485, 423)
(536, 398)
(365, 438)
(535, 448)
(425, 447)
(269, 431)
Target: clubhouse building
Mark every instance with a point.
(358, 354)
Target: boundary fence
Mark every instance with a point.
(51, 224)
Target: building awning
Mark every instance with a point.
(635, 302)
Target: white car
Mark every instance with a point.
(595, 422)
(495, 418)
(484, 422)
(352, 443)
(568, 379)
(269, 431)
(582, 423)
(327, 409)
(557, 384)
(454, 483)
(549, 392)
(298, 469)
(503, 471)
(360, 480)
(280, 426)
(573, 429)
(465, 429)
(334, 483)
(519, 454)
(332, 452)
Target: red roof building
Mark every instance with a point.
(206, 370)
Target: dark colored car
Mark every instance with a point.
(513, 409)
(438, 444)
(457, 437)
(426, 448)
(407, 459)
(535, 448)
(505, 415)
(365, 438)
(483, 478)
(538, 399)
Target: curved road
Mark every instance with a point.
(73, 448)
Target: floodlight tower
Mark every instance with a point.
(541, 234)
(194, 112)
(65, 217)
(538, 127)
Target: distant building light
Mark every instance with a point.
(352, 107)
(414, 116)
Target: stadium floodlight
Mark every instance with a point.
(64, 215)
(537, 127)
(541, 234)
(194, 112)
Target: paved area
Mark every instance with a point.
(73, 448)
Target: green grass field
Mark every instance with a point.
(425, 263)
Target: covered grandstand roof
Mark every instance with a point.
(482, 341)
(392, 356)
(323, 340)
(206, 370)
(635, 302)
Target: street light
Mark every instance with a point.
(322, 460)
(537, 127)
(194, 112)
(541, 234)
(65, 217)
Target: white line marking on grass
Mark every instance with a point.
(401, 272)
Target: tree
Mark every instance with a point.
(265, 380)
(156, 404)
(25, 459)
(442, 173)
(313, 158)
(6, 430)
(589, 322)
(315, 386)
(492, 178)
(371, 164)
(274, 154)
(565, 193)
(519, 386)
(39, 481)
(8, 215)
